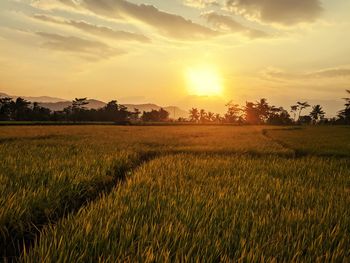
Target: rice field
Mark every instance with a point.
(174, 193)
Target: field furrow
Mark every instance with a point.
(212, 208)
(226, 191)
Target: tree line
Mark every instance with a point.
(23, 110)
(259, 112)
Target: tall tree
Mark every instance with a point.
(160, 115)
(21, 110)
(234, 112)
(194, 115)
(279, 116)
(80, 103)
(6, 105)
(302, 106)
(211, 116)
(40, 113)
(263, 110)
(123, 114)
(344, 115)
(218, 118)
(110, 111)
(79, 110)
(317, 113)
(135, 115)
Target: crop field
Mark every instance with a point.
(174, 193)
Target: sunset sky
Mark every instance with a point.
(187, 53)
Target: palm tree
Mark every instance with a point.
(302, 106)
(194, 115)
(218, 118)
(317, 113)
(211, 116)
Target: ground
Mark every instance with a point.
(174, 193)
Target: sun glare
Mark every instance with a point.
(204, 81)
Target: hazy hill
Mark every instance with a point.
(57, 104)
(35, 99)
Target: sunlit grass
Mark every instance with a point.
(211, 192)
(212, 208)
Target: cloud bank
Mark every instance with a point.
(202, 3)
(171, 25)
(278, 74)
(95, 30)
(92, 50)
(285, 12)
(226, 23)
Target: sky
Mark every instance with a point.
(189, 53)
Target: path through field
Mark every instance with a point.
(188, 193)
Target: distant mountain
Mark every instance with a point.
(58, 104)
(35, 99)
(3, 95)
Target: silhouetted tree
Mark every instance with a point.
(182, 119)
(135, 115)
(6, 106)
(344, 115)
(211, 116)
(40, 113)
(317, 113)
(110, 112)
(234, 113)
(194, 115)
(302, 106)
(155, 115)
(278, 116)
(123, 114)
(79, 103)
(21, 110)
(77, 111)
(115, 113)
(305, 119)
(263, 110)
(218, 118)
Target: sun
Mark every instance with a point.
(204, 81)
